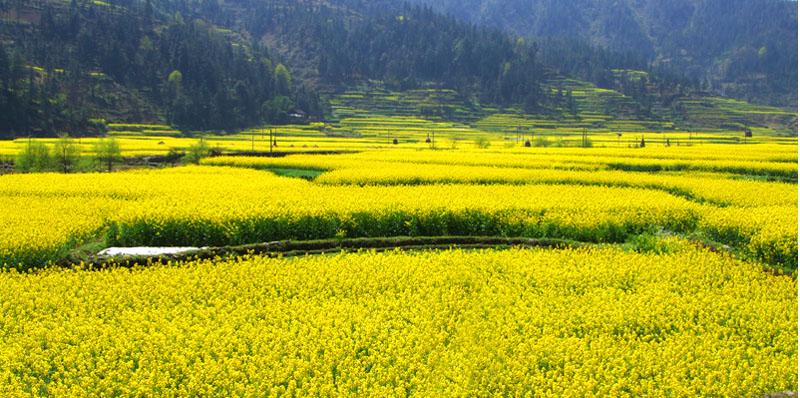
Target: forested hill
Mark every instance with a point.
(64, 64)
(743, 48)
(225, 65)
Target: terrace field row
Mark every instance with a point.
(218, 206)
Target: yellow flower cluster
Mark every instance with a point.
(49, 213)
(707, 189)
(220, 206)
(709, 157)
(375, 169)
(768, 232)
(141, 144)
(36, 230)
(550, 323)
(522, 156)
(769, 236)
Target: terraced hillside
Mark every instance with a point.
(707, 113)
(373, 99)
(576, 106)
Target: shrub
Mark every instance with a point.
(482, 142)
(66, 154)
(173, 156)
(107, 152)
(35, 157)
(542, 142)
(197, 152)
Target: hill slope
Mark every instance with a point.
(66, 63)
(742, 48)
(219, 65)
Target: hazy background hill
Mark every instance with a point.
(742, 48)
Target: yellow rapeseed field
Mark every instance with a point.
(220, 206)
(343, 170)
(551, 323)
(44, 215)
(758, 160)
(642, 308)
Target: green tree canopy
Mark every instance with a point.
(283, 80)
(107, 151)
(66, 153)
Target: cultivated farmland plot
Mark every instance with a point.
(412, 199)
(469, 270)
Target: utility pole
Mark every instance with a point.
(745, 133)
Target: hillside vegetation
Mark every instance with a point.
(218, 66)
(742, 48)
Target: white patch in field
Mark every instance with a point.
(145, 251)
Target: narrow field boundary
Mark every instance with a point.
(291, 248)
(281, 154)
(294, 248)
